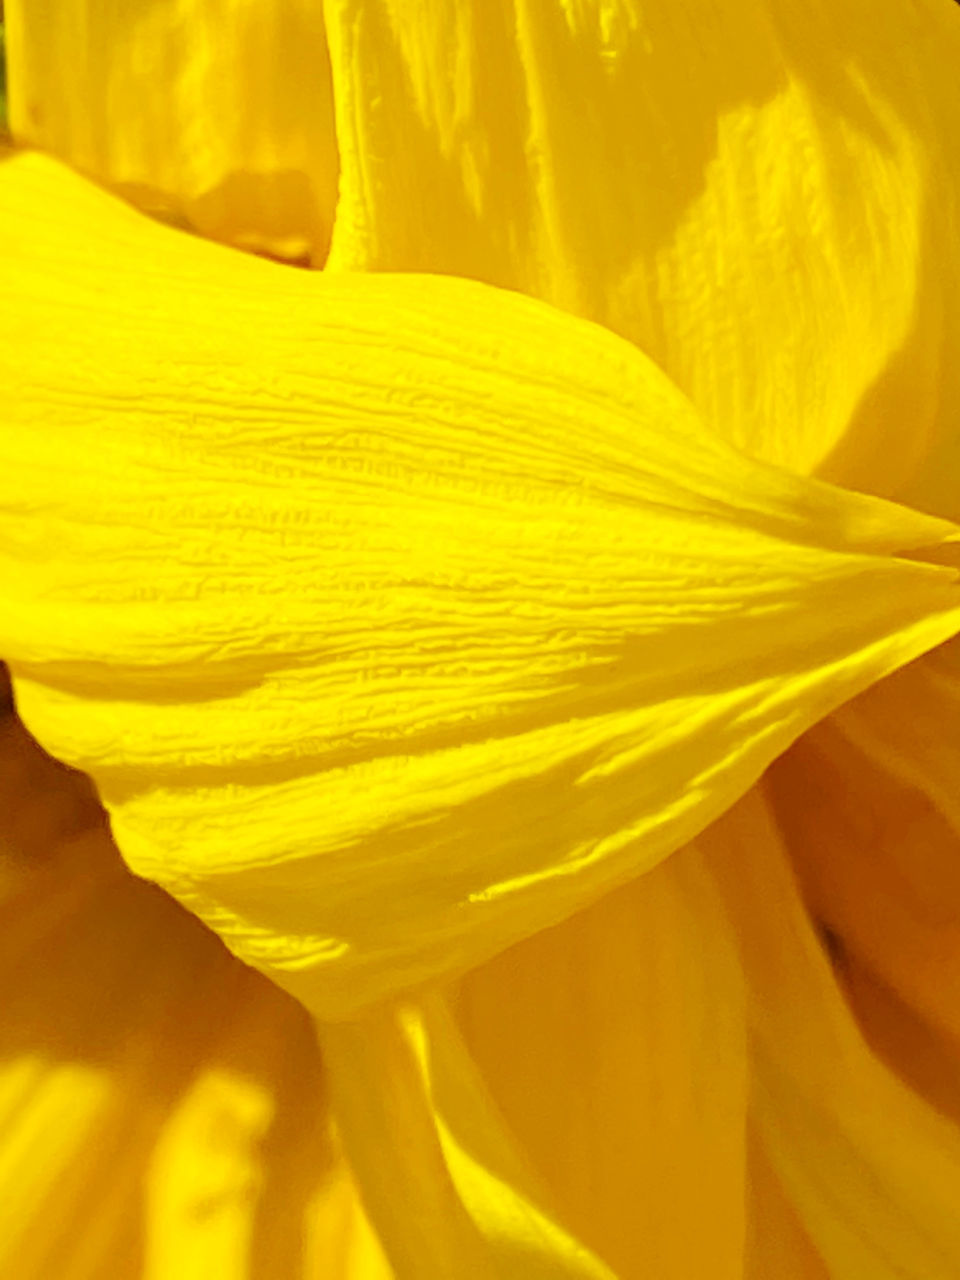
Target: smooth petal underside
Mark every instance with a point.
(163, 1110)
(214, 113)
(870, 1168)
(762, 195)
(398, 617)
(614, 1047)
(869, 805)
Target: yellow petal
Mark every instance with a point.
(448, 1189)
(924, 1055)
(217, 113)
(614, 1047)
(869, 805)
(397, 617)
(763, 196)
(163, 1109)
(776, 1243)
(872, 1170)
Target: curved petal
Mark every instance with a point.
(871, 1169)
(448, 1189)
(614, 1046)
(762, 195)
(398, 617)
(163, 1108)
(869, 806)
(215, 113)
(777, 1244)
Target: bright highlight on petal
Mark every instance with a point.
(216, 113)
(447, 1187)
(398, 617)
(763, 195)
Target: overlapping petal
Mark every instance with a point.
(736, 192)
(869, 806)
(163, 1109)
(870, 1167)
(215, 113)
(763, 196)
(614, 1046)
(397, 618)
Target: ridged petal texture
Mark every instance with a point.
(399, 620)
(163, 1109)
(216, 114)
(737, 188)
(396, 617)
(763, 195)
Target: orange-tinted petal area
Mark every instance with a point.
(870, 1169)
(870, 806)
(614, 1045)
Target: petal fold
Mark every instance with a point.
(398, 617)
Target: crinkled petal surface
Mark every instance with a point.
(398, 617)
(762, 194)
(163, 1110)
(215, 113)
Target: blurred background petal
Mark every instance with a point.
(870, 1166)
(614, 1046)
(163, 1108)
(869, 804)
(216, 114)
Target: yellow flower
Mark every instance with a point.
(527, 640)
